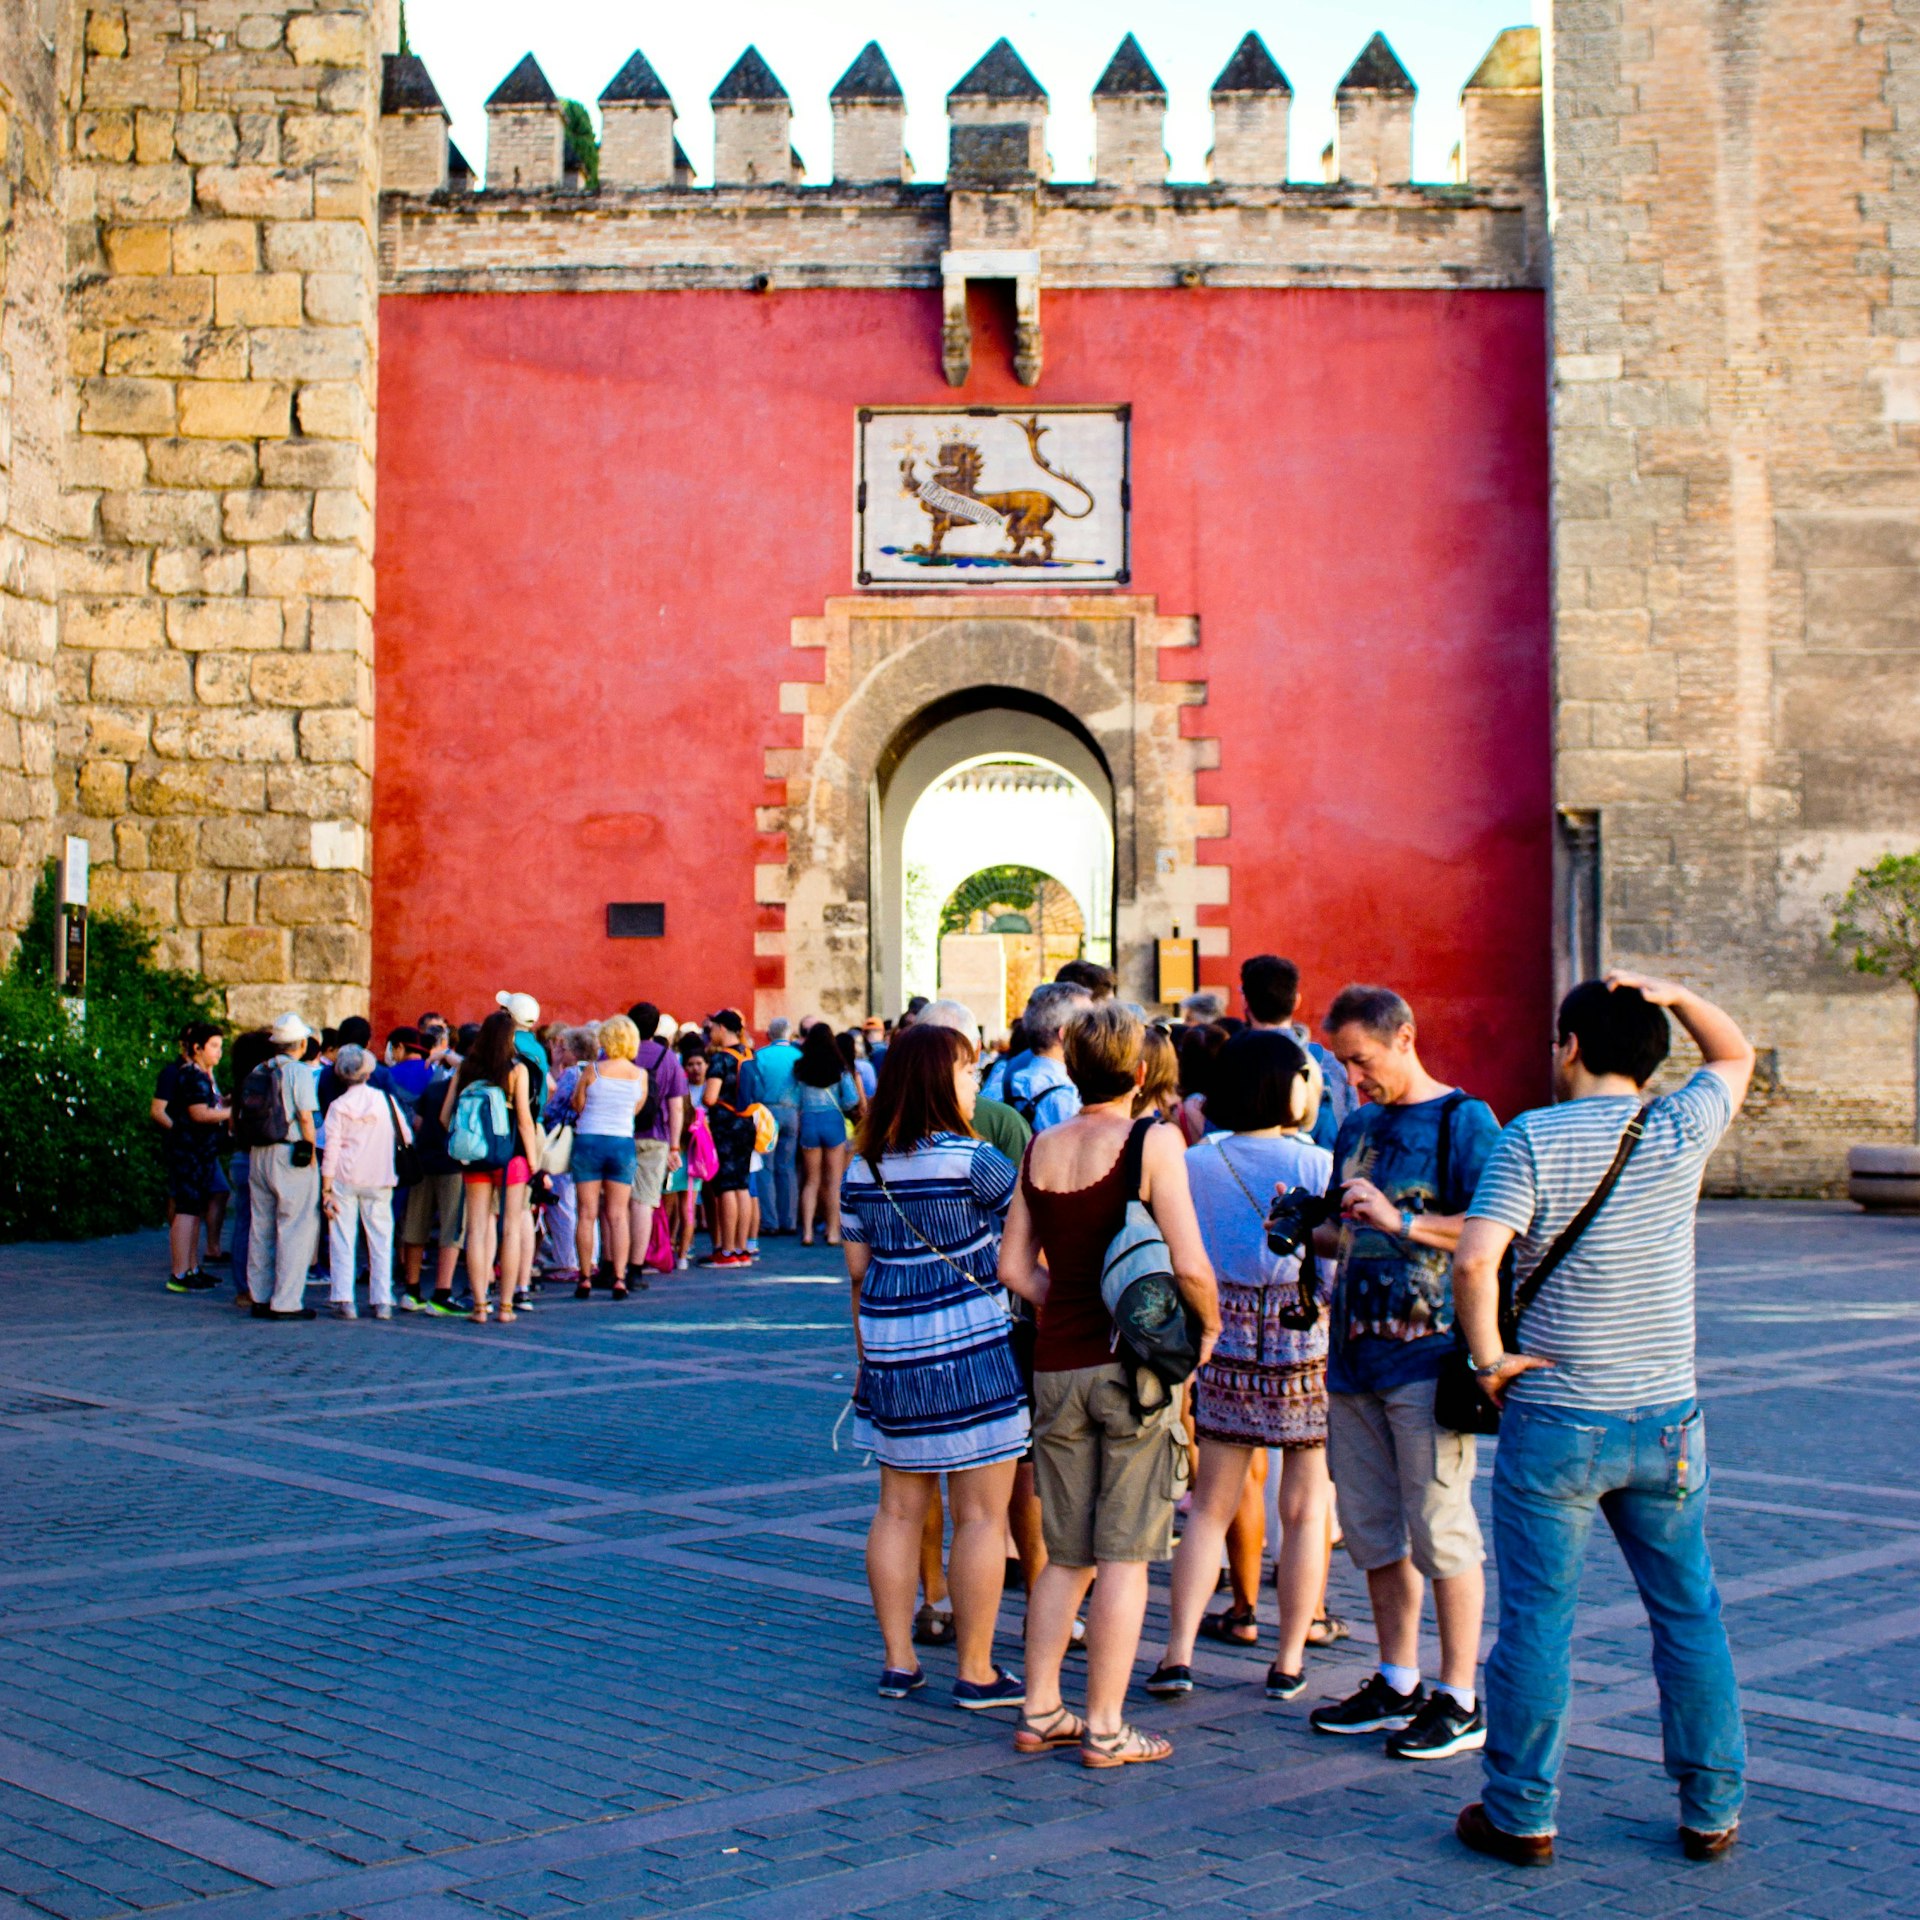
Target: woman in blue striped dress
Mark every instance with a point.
(938, 1390)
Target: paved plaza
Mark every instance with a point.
(424, 1621)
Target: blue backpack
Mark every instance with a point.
(480, 1138)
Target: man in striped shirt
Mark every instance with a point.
(1600, 1406)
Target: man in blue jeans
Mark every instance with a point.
(1600, 1405)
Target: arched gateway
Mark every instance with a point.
(912, 684)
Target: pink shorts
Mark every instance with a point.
(519, 1173)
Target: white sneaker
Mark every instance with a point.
(342, 1310)
(383, 1313)
(682, 1265)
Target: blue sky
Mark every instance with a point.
(469, 45)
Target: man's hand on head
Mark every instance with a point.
(1659, 993)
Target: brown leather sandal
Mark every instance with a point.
(1127, 1748)
(1059, 1728)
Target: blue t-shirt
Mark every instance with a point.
(1394, 1298)
(1041, 1093)
(773, 1074)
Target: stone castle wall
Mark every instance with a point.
(1736, 331)
(216, 636)
(36, 55)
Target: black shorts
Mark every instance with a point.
(733, 1135)
(192, 1182)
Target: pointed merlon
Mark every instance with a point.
(749, 78)
(458, 166)
(1512, 64)
(525, 86)
(869, 78)
(1251, 70)
(1000, 74)
(636, 81)
(1378, 70)
(406, 86)
(1130, 72)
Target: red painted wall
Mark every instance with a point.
(599, 512)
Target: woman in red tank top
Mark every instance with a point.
(1106, 1473)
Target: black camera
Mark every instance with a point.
(1294, 1215)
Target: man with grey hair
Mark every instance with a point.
(1038, 1090)
(1406, 1165)
(774, 1086)
(1202, 1008)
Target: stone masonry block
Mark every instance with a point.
(306, 679)
(244, 954)
(117, 733)
(333, 410)
(103, 136)
(1592, 777)
(107, 33)
(156, 518)
(224, 626)
(199, 571)
(293, 572)
(225, 733)
(314, 899)
(309, 353)
(223, 679)
(337, 736)
(146, 300)
(204, 353)
(111, 624)
(102, 789)
(255, 193)
(331, 953)
(203, 899)
(207, 139)
(216, 247)
(319, 792)
(331, 39)
(145, 193)
(152, 136)
(235, 410)
(96, 460)
(156, 678)
(219, 464)
(314, 463)
(147, 897)
(268, 513)
(147, 248)
(340, 515)
(126, 406)
(106, 573)
(257, 300)
(186, 788)
(318, 246)
(339, 299)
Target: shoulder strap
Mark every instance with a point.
(1443, 1157)
(1569, 1235)
(401, 1137)
(1133, 1154)
(1214, 1140)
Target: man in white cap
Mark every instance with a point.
(278, 1105)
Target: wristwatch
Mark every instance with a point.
(1485, 1366)
(1406, 1223)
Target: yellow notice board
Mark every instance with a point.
(1176, 969)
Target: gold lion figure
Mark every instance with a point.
(951, 496)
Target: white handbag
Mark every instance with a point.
(556, 1149)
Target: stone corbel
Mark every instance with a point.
(1022, 267)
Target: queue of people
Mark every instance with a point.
(503, 1152)
(1367, 1271)
(1363, 1303)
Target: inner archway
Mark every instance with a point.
(991, 778)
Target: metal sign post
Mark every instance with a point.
(70, 927)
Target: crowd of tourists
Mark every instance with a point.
(1104, 1277)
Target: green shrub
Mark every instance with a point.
(78, 1154)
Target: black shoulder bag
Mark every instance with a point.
(1460, 1403)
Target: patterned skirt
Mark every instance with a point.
(938, 1391)
(1265, 1385)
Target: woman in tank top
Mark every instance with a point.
(1107, 1474)
(606, 1096)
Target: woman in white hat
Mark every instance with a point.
(364, 1129)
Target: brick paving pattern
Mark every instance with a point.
(419, 1621)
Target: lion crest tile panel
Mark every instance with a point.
(992, 497)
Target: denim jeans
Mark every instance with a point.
(1646, 1471)
(240, 1220)
(779, 1179)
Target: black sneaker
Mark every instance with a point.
(1376, 1708)
(1168, 1682)
(444, 1303)
(1440, 1729)
(292, 1313)
(896, 1684)
(1285, 1686)
(198, 1281)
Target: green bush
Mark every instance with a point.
(78, 1154)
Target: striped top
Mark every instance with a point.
(951, 1190)
(1616, 1318)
